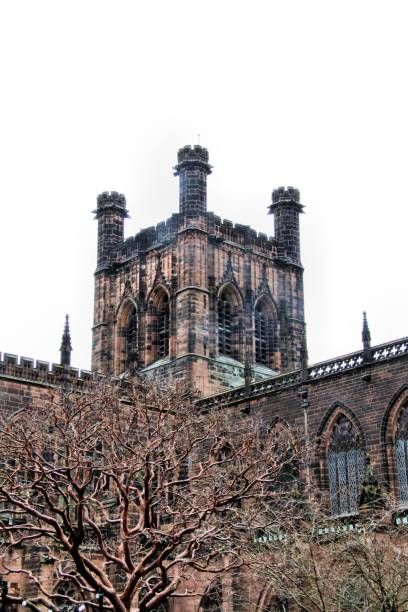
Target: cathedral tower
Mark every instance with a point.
(197, 296)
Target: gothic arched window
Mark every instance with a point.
(228, 323)
(345, 463)
(264, 333)
(65, 593)
(401, 454)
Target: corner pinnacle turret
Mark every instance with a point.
(193, 168)
(286, 208)
(66, 347)
(111, 213)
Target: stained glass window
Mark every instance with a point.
(401, 454)
(346, 467)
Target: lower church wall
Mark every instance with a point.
(369, 392)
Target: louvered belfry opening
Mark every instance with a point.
(225, 326)
(346, 467)
(229, 323)
(131, 340)
(264, 335)
(157, 326)
(126, 347)
(401, 454)
(163, 324)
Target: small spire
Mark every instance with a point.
(66, 346)
(366, 337)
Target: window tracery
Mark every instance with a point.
(401, 454)
(346, 466)
(66, 591)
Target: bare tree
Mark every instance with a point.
(129, 494)
(349, 564)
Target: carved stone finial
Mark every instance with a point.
(66, 346)
(128, 288)
(366, 336)
(159, 276)
(229, 270)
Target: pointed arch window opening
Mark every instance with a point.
(264, 335)
(346, 467)
(401, 454)
(64, 591)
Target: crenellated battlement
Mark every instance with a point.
(25, 368)
(109, 198)
(189, 154)
(285, 194)
(223, 229)
(241, 234)
(150, 237)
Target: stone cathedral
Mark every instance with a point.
(197, 296)
(221, 306)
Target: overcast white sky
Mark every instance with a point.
(99, 95)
